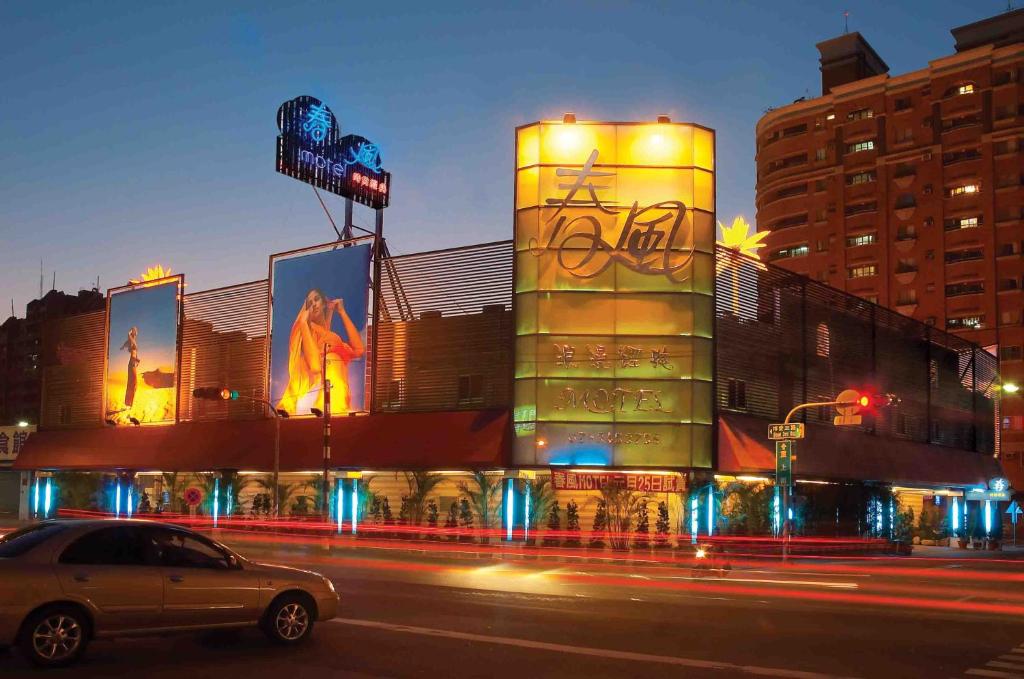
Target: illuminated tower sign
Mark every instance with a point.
(614, 239)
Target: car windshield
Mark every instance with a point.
(21, 541)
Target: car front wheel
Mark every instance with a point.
(289, 619)
(54, 636)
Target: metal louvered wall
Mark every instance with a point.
(445, 330)
(224, 343)
(72, 391)
(782, 339)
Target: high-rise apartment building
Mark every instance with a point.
(906, 190)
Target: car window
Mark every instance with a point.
(178, 549)
(116, 545)
(20, 541)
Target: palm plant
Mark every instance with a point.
(285, 491)
(480, 493)
(420, 485)
(542, 497)
(622, 505)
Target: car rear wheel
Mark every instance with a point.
(54, 636)
(289, 619)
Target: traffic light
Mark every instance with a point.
(851, 402)
(215, 393)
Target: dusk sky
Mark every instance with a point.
(133, 134)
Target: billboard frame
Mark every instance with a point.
(179, 278)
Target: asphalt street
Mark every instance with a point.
(465, 614)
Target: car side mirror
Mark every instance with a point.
(233, 562)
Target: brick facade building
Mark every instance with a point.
(906, 190)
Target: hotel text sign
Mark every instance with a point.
(311, 149)
(614, 272)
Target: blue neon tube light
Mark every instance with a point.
(509, 507)
(46, 500)
(355, 506)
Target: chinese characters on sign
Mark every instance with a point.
(613, 282)
(12, 440)
(644, 483)
(311, 149)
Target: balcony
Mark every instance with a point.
(905, 273)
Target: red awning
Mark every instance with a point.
(838, 454)
(464, 439)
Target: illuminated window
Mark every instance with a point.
(857, 147)
(862, 271)
(965, 322)
(795, 251)
(830, 116)
(962, 88)
(860, 114)
(963, 190)
(821, 153)
(823, 341)
(861, 178)
(860, 239)
(962, 223)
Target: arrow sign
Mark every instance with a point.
(1014, 510)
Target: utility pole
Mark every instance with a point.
(325, 492)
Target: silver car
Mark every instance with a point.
(63, 583)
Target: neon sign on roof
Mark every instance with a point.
(311, 149)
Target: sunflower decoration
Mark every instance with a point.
(739, 239)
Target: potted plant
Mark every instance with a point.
(643, 528)
(554, 525)
(661, 526)
(599, 526)
(465, 520)
(432, 514)
(572, 524)
(451, 524)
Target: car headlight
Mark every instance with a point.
(330, 585)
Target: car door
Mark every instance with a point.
(112, 569)
(203, 583)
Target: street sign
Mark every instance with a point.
(850, 400)
(193, 496)
(784, 451)
(1014, 511)
(790, 430)
(846, 420)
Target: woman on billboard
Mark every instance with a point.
(310, 333)
(132, 345)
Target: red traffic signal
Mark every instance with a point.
(215, 393)
(864, 401)
(880, 400)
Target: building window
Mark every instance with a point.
(905, 200)
(860, 114)
(905, 297)
(791, 161)
(1005, 146)
(393, 395)
(795, 251)
(905, 136)
(965, 322)
(858, 146)
(1007, 250)
(962, 88)
(960, 156)
(904, 170)
(1007, 285)
(821, 153)
(906, 265)
(862, 271)
(861, 178)
(970, 255)
(860, 239)
(902, 104)
(962, 223)
(737, 396)
(819, 185)
(471, 388)
(906, 232)
(1011, 353)
(787, 222)
(960, 121)
(821, 245)
(823, 341)
(796, 190)
(963, 190)
(857, 208)
(1009, 318)
(870, 298)
(958, 289)
(794, 130)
